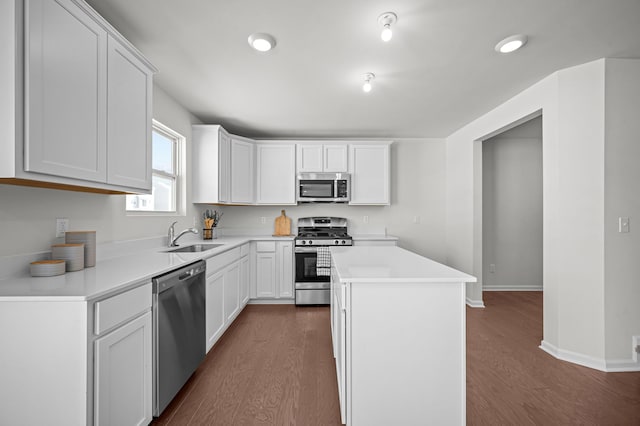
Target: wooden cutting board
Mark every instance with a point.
(282, 226)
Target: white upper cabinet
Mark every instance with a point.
(322, 158)
(242, 171)
(129, 115)
(66, 91)
(87, 102)
(335, 158)
(223, 166)
(211, 164)
(370, 173)
(275, 183)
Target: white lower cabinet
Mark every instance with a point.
(77, 362)
(245, 277)
(227, 291)
(123, 374)
(274, 269)
(123, 359)
(214, 303)
(232, 292)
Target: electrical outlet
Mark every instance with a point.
(62, 226)
(492, 268)
(635, 348)
(416, 219)
(365, 219)
(263, 220)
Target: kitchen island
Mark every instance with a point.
(398, 329)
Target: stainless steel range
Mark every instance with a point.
(313, 263)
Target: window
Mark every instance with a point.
(165, 180)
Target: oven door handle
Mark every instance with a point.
(306, 250)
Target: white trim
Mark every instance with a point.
(474, 303)
(271, 302)
(573, 357)
(179, 166)
(609, 366)
(512, 288)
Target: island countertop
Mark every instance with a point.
(390, 264)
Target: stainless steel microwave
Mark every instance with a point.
(323, 187)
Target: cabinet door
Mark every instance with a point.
(245, 273)
(266, 274)
(224, 166)
(276, 178)
(309, 158)
(214, 308)
(369, 168)
(242, 177)
(340, 349)
(285, 269)
(123, 368)
(335, 158)
(231, 292)
(128, 119)
(66, 88)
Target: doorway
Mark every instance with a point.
(512, 253)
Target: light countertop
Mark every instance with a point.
(390, 264)
(113, 275)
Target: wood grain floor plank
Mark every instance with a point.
(275, 366)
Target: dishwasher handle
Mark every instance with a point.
(177, 277)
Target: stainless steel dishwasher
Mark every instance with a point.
(178, 330)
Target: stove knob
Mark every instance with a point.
(344, 242)
(304, 242)
(336, 242)
(310, 242)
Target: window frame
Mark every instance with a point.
(177, 176)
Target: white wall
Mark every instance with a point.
(512, 209)
(28, 215)
(622, 198)
(576, 289)
(417, 189)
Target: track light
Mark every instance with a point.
(386, 20)
(368, 78)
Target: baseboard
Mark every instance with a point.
(622, 365)
(508, 288)
(475, 303)
(588, 361)
(271, 302)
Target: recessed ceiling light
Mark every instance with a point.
(511, 44)
(262, 42)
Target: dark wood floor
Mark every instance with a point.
(510, 381)
(275, 366)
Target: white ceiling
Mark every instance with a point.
(438, 72)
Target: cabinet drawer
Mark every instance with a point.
(221, 260)
(244, 250)
(117, 309)
(266, 246)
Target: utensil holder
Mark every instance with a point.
(209, 233)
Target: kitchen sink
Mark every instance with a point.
(195, 248)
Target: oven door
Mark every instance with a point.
(306, 258)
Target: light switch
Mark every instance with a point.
(623, 224)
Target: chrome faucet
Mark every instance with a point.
(173, 239)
